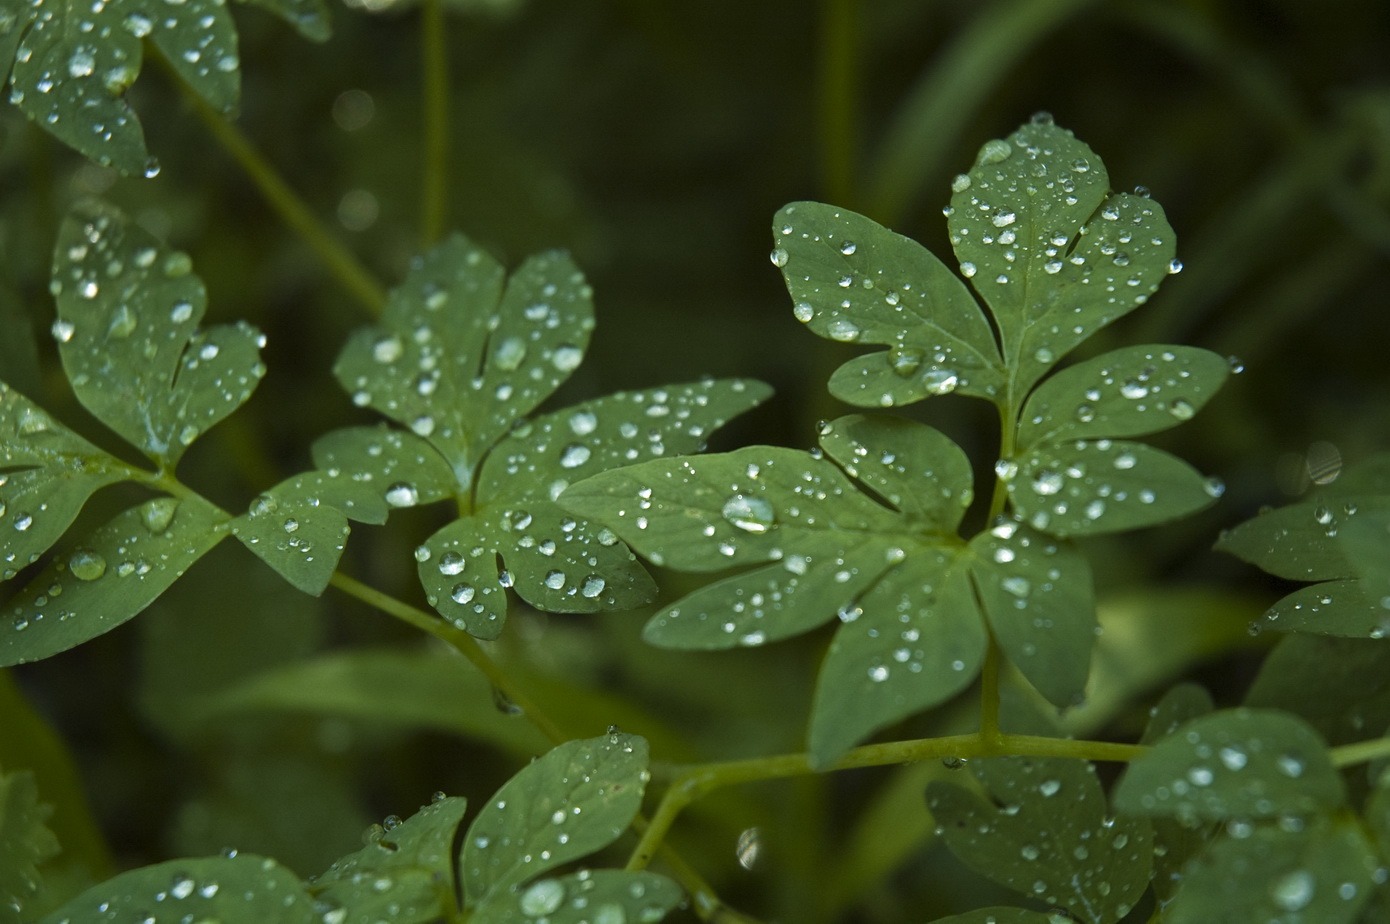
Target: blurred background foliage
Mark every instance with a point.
(655, 141)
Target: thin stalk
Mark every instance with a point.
(292, 210)
(1349, 755)
(436, 110)
(837, 95)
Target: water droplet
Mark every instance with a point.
(1235, 364)
(181, 313)
(86, 565)
(1085, 413)
(158, 513)
(1017, 586)
(387, 349)
(452, 563)
(906, 360)
(803, 312)
(543, 897)
(582, 423)
(1293, 891)
(567, 358)
(961, 183)
(555, 579)
(994, 152)
(592, 587)
(1050, 788)
(843, 329)
(878, 673)
(1134, 389)
(291, 525)
(750, 514)
(749, 846)
(402, 494)
(1232, 758)
(1181, 409)
(1002, 218)
(462, 593)
(1214, 486)
(847, 247)
(123, 323)
(63, 330)
(778, 257)
(1044, 355)
(1047, 482)
(509, 354)
(575, 455)
(1200, 776)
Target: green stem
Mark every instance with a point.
(1359, 753)
(291, 209)
(436, 105)
(837, 94)
(694, 782)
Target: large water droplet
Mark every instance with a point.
(575, 455)
(1293, 891)
(452, 563)
(510, 353)
(402, 494)
(750, 514)
(543, 897)
(86, 565)
(158, 513)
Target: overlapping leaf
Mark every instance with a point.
(855, 281)
(1339, 536)
(1050, 835)
(47, 472)
(240, 889)
(586, 897)
(1070, 477)
(1241, 763)
(127, 331)
(1277, 874)
(461, 359)
(71, 65)
(25, 840)
(1340, 686)
(404, 873)
(108, 576)
(1176, 842)
(572, 801)
(905, 589)
(1054, 254)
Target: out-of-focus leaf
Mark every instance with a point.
(127, 331)
(108, 576)
(242, 889)
(1240, 763)
(25, 841)
(1050, 835)
(1340, 686)
(853, 280)
(587, 897)
(1176, 842)
(572, 801)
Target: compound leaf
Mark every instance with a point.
(399, 466)
(128, 313)
(572, 801)
(1127, 392)
(855, 281)
(1090, 487)
(1048, 837)
(596, 896)
(240, 889)
(25, 840)
(1319, 873)
(414, 859)
(299, 527)
(1052, 252)
(1036, 593)
(458, 358)
(1238, 763)
(47, 472)
(913, 640)
(110, 576)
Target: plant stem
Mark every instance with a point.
(837, 98)
(291, 209)
(436, 111)
(457, 639)
(1351, 754)
(699, 780)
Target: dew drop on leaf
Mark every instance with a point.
(86, 565)
(462, 593)
(750, 514)
(402, 494)
(451, 563)
(1293, 891)
(158, 513)
(575, 455)
(542, 898)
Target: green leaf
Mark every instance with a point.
(25, 840)
(1090, 487)
(1340, 686)
(827, 548)
(1176, 842)
(1277, 876)
(853, 280)
(601, 896)
(128, 312)
(565, 805)
(1239, 763)
(1378, 814)
(1048, 837)
(240, 889)
(912, 641)
(402, 689)
(1001, 915)
(1344, 608)
(405, 873)
(111, 575)
(399, 466)
(540, 458)
(1052, 252)
(298, 528)
(309, 17)
(458, 359)
(1036, 592)
(47, 472)
(544, 555)
(1301, 541)
(1128, 392)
